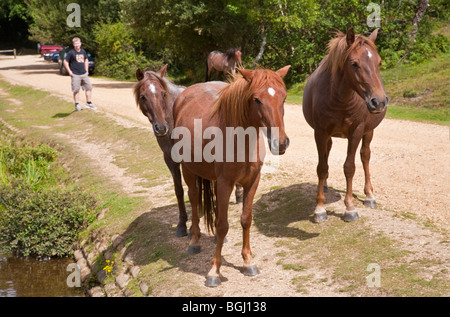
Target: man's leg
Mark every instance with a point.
(87, 86)
(76, 81)
(88, 96)
(76, 96)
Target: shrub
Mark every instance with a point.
(118, 53)
(30, 163)
(36, 216)
(43, 223)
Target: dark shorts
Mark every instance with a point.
(81, 81)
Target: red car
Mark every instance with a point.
(50, 48)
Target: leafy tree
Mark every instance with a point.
(50, 19)
(14, 21)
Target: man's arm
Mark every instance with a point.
(66, 65)
(86, 64)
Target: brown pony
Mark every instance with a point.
(155, 95)
(345, 98)
(223, 62)
(254, 99)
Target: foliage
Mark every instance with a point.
(118, 51)
(36, 216)
(183, 32)
(45, 222)
(30, 164)
(50, 20)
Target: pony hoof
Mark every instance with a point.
(371, 203)
(212, 281)
(320, 217)
(350, 216)
(251, 270)
(181, 232)
(194, 249)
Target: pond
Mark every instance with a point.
(31, 277)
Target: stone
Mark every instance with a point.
(78, 255)
(135, 270)
(144, 288)
(122, 280)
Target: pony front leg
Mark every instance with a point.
(323, 148)
(250, 269)
(349, 170)
(365, 158)
(223, 193)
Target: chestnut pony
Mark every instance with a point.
(253, 99)
(155, 95)
(345, 98)
(223, 62)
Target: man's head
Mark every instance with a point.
(76, 43)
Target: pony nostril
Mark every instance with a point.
(287, 142)
(275, 144)
(374, 102)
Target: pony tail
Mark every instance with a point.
(207, 69)
(206, 202)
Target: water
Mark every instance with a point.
(30, 277)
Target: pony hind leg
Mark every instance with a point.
(365, 158)
(190, 179)
(224, 190)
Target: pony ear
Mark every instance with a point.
(139, 74)
(162, 71)
(373, 36)
(283, 71)
(350, 36)
(248, 74)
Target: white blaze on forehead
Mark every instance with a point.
(369, 53)
(152, 88)
(271, 91)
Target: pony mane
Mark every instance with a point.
(144, 81)
(230, 53)
(234, 99)
(338, 52)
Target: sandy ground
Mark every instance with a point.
(409, 166)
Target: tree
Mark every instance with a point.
(50, 19)
(421, 8)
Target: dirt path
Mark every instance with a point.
(409, 166)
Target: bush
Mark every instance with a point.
(32, 164)
(43, 223)
(118, 53)
(37, 216)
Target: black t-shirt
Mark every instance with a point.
(76, 61)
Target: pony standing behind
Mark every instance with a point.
(155, 95)
(345, 98)
(223, 62)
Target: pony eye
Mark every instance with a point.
(355, 65)
(258, 101)
(142, 97)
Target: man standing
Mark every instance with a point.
(77, 64)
